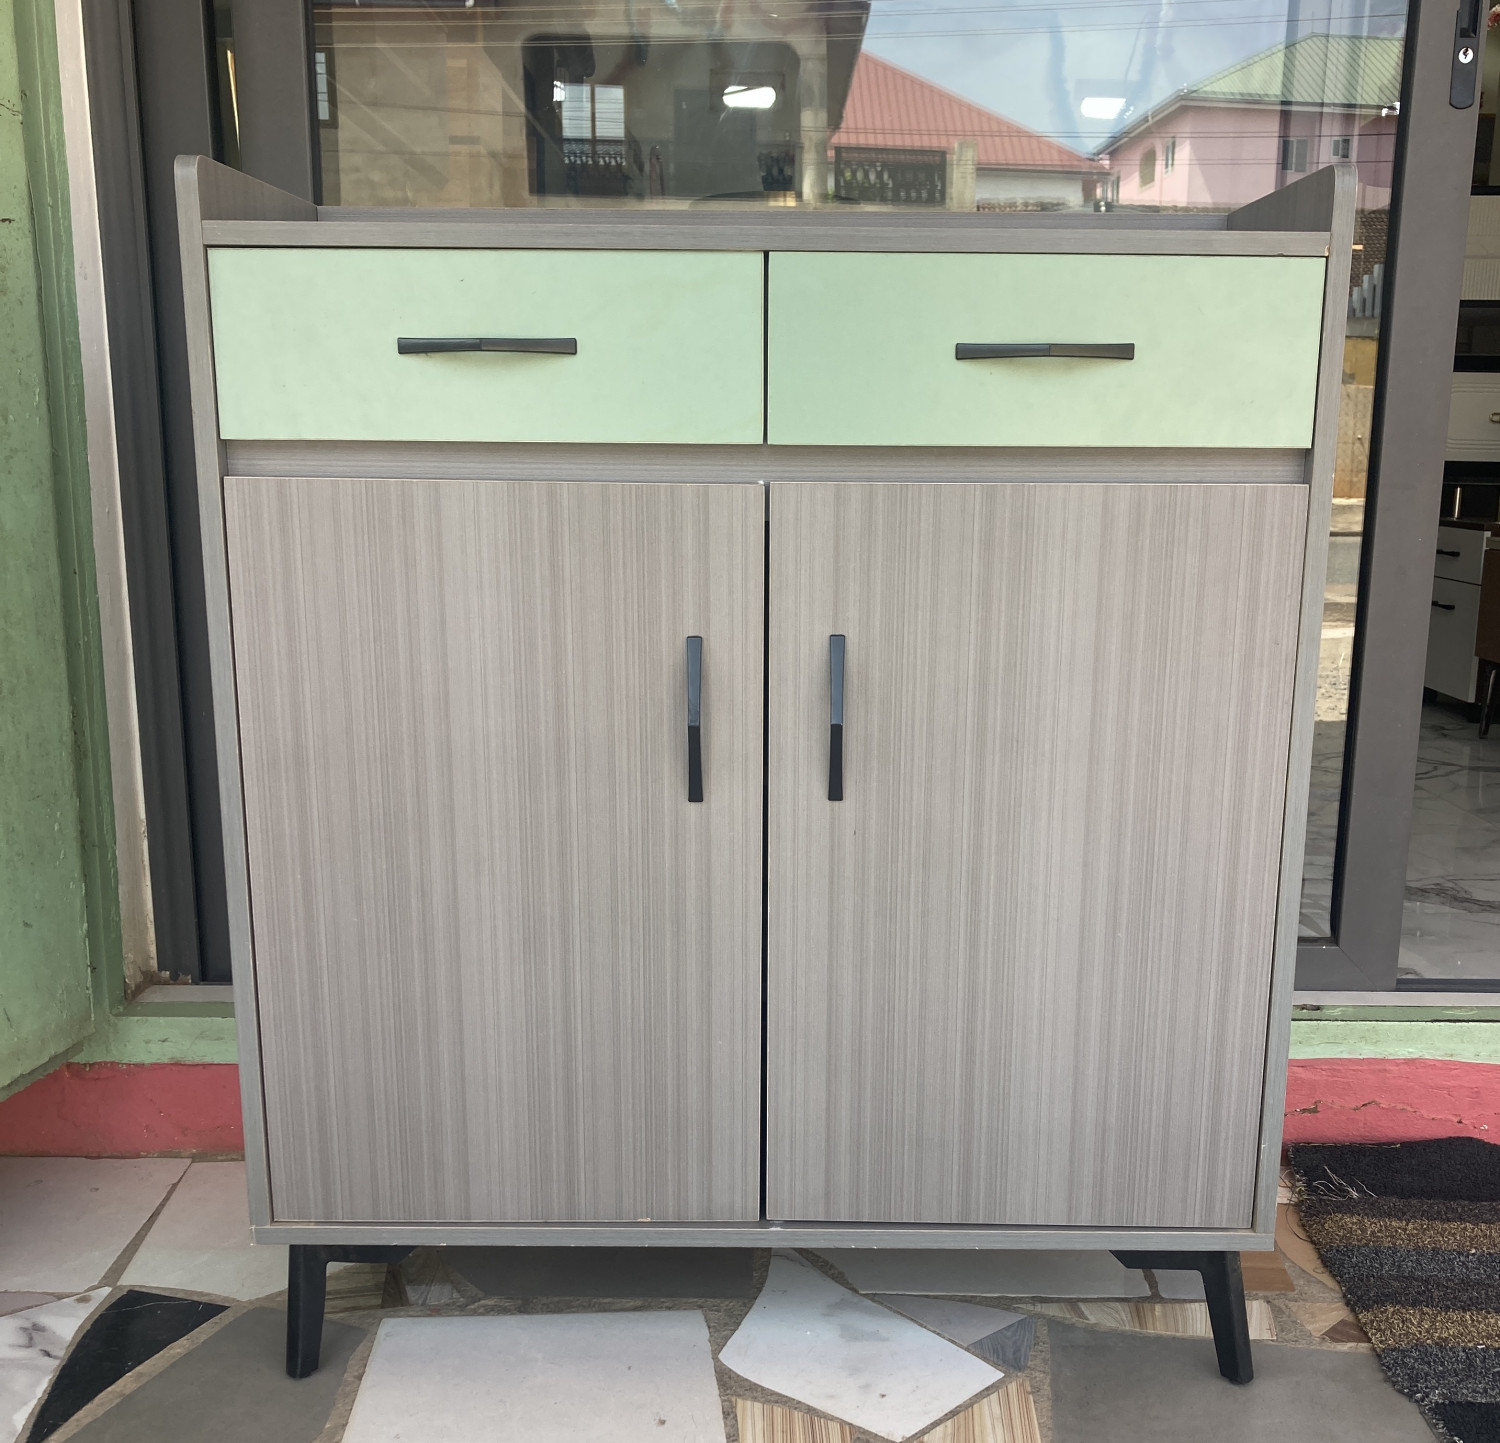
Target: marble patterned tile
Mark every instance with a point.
(18, 1302)
(1172, 1319)
(134, 1327)
(1006, 1416)
(972, 1273)
(65, 1220)
(817, 1343)
(201, 1240)
(543, 1377)
(771, 1423)
(996, 1334)
(32, 1344)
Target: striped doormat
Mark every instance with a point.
(1412, 1233)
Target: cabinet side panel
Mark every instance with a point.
(507, 972)
(1020, 974)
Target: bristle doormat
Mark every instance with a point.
(1412, 1233)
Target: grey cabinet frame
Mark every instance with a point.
(220, 207)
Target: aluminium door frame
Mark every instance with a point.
(1424, 273)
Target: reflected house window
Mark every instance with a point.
(906, 141)
(1146, 175)
(1230, 148)
(1169, 156)
(1342, 147)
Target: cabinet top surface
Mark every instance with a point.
(1083, 234)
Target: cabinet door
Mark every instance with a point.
(1020, 973)
(506, 970)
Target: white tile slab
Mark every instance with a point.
(977, 1273)
(201, 1240)
(811, 1340)
(541, 1378)
(32, 1344)
(18, 1302)
(1176, 1284)
(996, 1334)
(64, 1220)
(961, 1323)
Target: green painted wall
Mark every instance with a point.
(1450, 1034)
(59, 924)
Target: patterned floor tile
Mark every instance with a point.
(768, 1423)
(1008, 1416)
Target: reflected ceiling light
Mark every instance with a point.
(750, 97)
(1102, 107)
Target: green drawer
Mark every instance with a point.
(861, 350)
(669, 345)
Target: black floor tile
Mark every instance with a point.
(134, 1327)
(606, 1272)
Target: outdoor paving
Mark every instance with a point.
(179, 1334)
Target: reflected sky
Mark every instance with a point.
(1037, 63)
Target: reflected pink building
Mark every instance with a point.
(1258, 125)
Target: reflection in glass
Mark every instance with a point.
(962, 105)
(1175, 104)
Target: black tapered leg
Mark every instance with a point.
(1224, 1288)
(306, 1291)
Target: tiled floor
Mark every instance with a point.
(1451, 920)
(169, 1341)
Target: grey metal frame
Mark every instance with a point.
(119, 107)
(218, 206)
(1425, 252)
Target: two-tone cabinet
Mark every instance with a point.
(763, 729)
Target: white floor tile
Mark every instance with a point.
(201, 1241)
(32, 1344)
(541, 1378)
(813, 1341)
(64, 1220)
(981, 1274)
(17, 1302)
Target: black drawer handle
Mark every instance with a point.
(1441, 552)
(1445, 606)
(1067, 350)
(520, 345)
(695, 718)
(835, 718)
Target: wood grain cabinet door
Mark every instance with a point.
(506, 970)
(1020, 973)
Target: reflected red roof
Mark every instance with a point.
(889, 106)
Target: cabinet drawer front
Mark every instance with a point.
(1468, 563)
(669, 345)
(862, 350)
(1474, 417)
(1451, 667)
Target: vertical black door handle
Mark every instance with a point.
(835, 718)
(695, 717)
